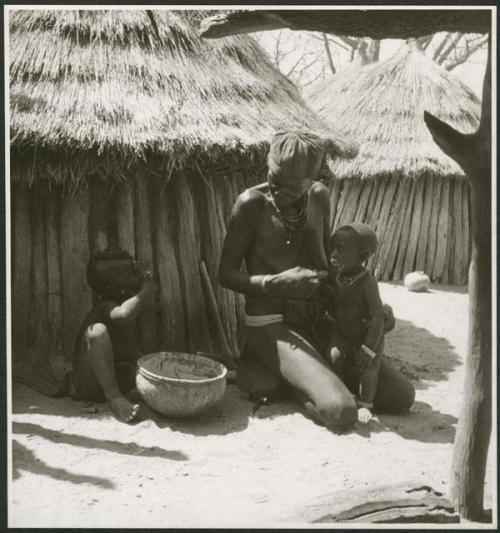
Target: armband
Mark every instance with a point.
(368, 351)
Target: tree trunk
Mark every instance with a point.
(473, 153)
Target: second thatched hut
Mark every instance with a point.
(128, 129)
(413, 195)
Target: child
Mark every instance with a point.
(354, 302)
(106, 349)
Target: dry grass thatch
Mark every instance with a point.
(132, 85)
(381, 106)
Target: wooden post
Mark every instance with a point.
(172, 313)
(209, 198)
(473, 153)
(415, 227)
(76, 300)
(382, 211)
(425, 227)
(334, 199)
(402, 243)
(100, 216)
(466, 233)
(21, 279)
(181, 202)
(52, 225)
(124, 209)
(442, 231)
(144, 252)
(437, 185)
(366, 188)
(40, 283)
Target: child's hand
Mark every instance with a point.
(364, 415)
(144, 272)
(363, 360)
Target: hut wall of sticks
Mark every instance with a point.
(129, 130)
(401, 184)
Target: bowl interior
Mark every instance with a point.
(181, 366)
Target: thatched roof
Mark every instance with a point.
(381, 105)
(137, 84)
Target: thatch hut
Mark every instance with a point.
(401, 183)
(128, 129)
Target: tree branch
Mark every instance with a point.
(449, 48)
(329, 54)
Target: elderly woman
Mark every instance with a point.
(280, 229)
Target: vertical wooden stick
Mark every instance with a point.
(124, 209)
(21, 279)
(144, 250)
(76, 301)
(55, 327)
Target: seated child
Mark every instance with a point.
(106, 349)
(354, 302)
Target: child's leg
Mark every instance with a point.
(95, 371)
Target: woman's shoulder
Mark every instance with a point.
(253, 198)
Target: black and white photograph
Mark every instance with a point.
(251, 266)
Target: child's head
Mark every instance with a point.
(113, 274)
(351, 245)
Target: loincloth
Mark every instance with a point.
(258, 321)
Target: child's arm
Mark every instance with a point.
(131, 308)
(369, 354)
(375, 324)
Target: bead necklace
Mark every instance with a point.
(292, 221)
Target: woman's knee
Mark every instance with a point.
(97, 334)
(338, 413)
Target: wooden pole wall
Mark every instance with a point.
(148, 320)
(188, 253)
(172, 335)
(76, 300)
(40, 309)
(420, 223)
(52, 226)
(172, 226)
(21, 290)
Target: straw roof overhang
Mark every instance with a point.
(132, 85)
(382, 105)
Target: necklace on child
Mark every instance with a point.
(345, 282)
(292, 221)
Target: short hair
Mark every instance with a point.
(297, 154)
(364, 235)
(109, 254)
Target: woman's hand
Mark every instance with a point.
(296, 283)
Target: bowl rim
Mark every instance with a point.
(155, 377)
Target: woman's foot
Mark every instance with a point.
(124, 410)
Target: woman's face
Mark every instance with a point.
(287, 191)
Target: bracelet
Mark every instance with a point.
(368, 351)
(368, 405)
(263, 283)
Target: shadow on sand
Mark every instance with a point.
(125, 448)
(25, 460)
(419, 355)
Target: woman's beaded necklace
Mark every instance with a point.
(292, 221)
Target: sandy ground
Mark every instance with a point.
(234, 467)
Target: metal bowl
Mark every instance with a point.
(180, 384)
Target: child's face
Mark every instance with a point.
(346, 253)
